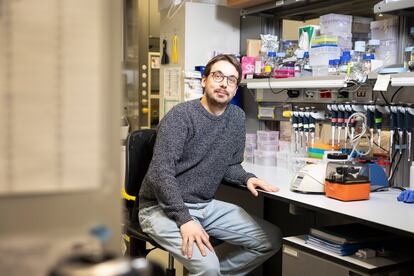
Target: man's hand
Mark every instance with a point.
(193, 232)
(254, 183)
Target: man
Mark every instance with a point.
(199, 144)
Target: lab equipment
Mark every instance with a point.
(409, 113)
(347, 181)
(347, 123)
(400, 125)
(340, 121)
(334, 118)
(300, 125)
(370, 109)
(295, 126)
(379, 113)
(310, 179)
(393, 127)
(306, 125)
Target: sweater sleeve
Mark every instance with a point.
(171, 136)
(235, 173)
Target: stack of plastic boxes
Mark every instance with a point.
(336, 36)
(387, 32)
(324, 48)
(361, 28)
(283, 155)
(338, 25)
(267, 147)
(250, 147)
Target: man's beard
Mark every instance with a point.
(213, 102)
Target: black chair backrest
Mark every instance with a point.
(139, 150)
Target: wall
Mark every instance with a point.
(201, 30)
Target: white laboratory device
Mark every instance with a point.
(310, 179)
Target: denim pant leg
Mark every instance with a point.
(258, 239)
(166, 233)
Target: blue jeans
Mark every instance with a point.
(255, 238)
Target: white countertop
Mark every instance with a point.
(382, 208)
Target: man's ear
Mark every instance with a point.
(203, 81)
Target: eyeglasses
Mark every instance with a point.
(218, 76)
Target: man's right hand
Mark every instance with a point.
(193, 232)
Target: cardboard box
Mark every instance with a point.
(253, 47)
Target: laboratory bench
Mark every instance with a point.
(381, 211)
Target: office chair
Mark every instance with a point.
(139, 150)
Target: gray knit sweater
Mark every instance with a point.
(193, 153)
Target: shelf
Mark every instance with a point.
(297, 83)
(395, 7)
(403, 79)
(370, 265)
(400, 79)
(310, 9)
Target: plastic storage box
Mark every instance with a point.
(385, 29)
(361, 24)
(265, 136)
(268, 146)
(337, 24)
(320, 55)
(265, 158)
(388, 52)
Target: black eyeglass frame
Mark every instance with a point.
(219, 78)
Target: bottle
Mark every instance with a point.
(270, 63)
(357, 72)
(344, 62)
(307, 69)
(332, 68)
(336, 64)
(412, 176)
(299, 64)
(367, 63)
(372, 46)
(411, 61)
(280, 59)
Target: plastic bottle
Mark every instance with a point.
(372, 46)
(411, 61)
(357, 71)
(299, 65)
(270, 63)
(332, 68)
(280, 59)
(367, 63)
(344, 61)
(307, 69)
(336, 64)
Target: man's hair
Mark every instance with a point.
(229, 58)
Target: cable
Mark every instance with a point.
(381, 147)
(395, 93)
(383, 97)
(271, 89)
(391, 178)
(357, 137)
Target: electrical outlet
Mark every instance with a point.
(310, 95)
(325, 94)
(361, 93)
